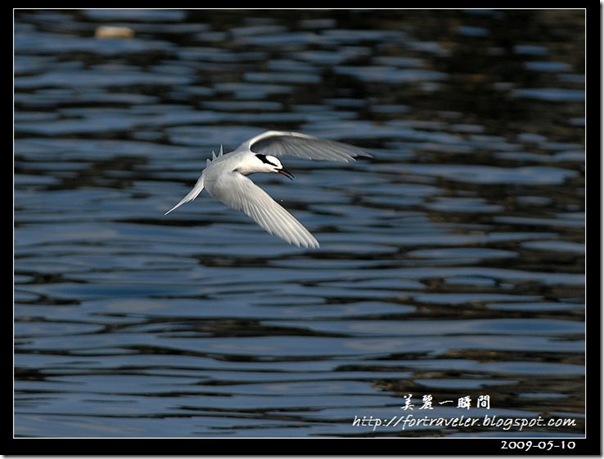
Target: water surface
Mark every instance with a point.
(451, 264)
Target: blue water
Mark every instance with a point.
(451, 263)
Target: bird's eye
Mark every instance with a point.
(266, 159)
(263, 158)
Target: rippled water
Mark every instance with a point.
(451, 264)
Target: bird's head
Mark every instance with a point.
(268, 163)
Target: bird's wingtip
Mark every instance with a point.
(312, 244)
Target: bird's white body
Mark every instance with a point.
(226, 178)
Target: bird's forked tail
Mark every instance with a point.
(189, 197)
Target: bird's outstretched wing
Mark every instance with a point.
(281, 143)
(244, 195)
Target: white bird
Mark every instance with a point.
(225, 178)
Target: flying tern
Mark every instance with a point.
(226, 178)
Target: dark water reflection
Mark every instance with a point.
(451, 264)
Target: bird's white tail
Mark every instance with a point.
(198, 186)
(189, 197)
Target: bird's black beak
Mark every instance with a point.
(287, 173)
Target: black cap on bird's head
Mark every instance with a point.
(276, 164)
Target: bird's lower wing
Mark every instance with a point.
(192, 194)
(242, 194)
